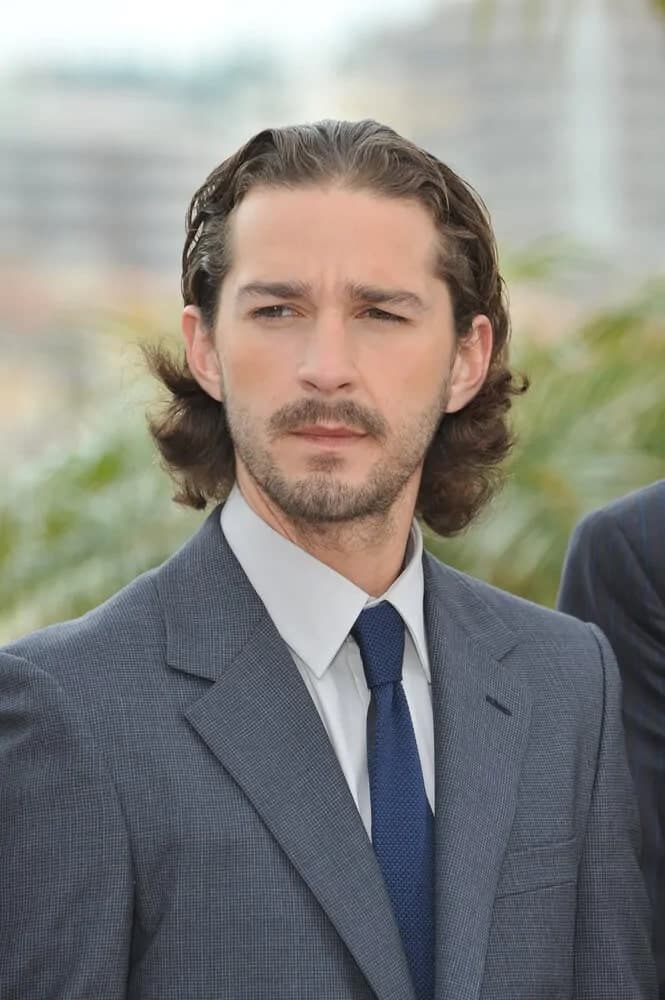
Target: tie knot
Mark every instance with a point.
(379, 632)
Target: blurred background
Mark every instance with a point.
(110, 118)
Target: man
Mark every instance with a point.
(302, 759)
(615, 576)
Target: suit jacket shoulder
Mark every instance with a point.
(615, 564)
(196, 610)
(635, 507)
(126, 625)
(635, 524)
(548, 652)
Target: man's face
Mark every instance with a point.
(336, 348)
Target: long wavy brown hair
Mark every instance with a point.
(461, 466)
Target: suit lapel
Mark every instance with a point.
(481, 723)
(260, 722)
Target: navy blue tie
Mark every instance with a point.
(402, 821)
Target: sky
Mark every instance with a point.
(158, 31)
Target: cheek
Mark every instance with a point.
(413, 375)
(254, 374)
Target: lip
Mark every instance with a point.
(322, 434)
(325, 430)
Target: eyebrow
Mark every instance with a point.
(276, 289)
(358, 293)
(386, 296)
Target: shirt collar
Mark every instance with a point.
(313, 607)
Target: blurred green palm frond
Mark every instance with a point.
(591, 428)
(76, 527)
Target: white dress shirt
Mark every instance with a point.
(314, 609)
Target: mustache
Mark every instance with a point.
(313, 411)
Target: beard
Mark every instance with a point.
(322, 496)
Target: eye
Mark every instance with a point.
(383, 316)
(280, 311)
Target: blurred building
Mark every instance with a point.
(97, 166)
(553, 109)
(98, 163)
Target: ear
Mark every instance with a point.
(472, 361)
(201, 352)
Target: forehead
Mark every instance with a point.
(350, 234)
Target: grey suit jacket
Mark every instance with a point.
(174, 824)
(615, 576)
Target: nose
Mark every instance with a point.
(328, 364)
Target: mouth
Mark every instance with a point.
(329, 435)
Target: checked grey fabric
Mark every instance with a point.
(175, 825)
(402, 821)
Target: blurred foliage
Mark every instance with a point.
(591, 428)
(76, 527)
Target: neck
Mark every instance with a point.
(369, 552)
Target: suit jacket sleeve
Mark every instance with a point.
(613, 956)
(605, 581)
(66, 899)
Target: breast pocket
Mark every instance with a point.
(539, 867)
